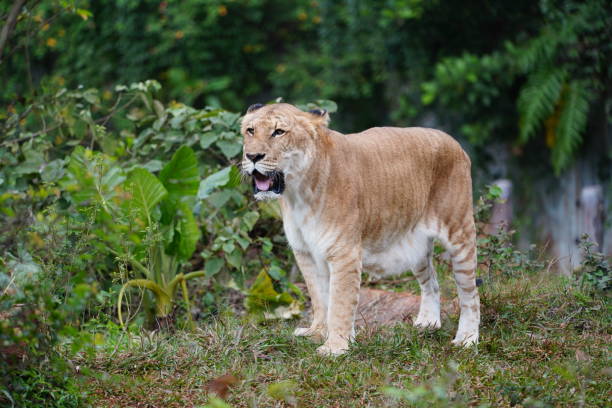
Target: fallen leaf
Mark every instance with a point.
(220, 386)
(285, 312)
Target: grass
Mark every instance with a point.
(543, 343)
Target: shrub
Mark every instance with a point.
(40, 308)
(595, 270)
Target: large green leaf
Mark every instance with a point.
(188, 232)
(207, 139)
(228, 177)
(146, 192)
(181, 176)
(213, 265)
(33, 163)
(229, 148)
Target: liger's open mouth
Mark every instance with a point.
(273, 182)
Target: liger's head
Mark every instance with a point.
(278, 140)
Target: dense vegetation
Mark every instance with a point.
(524, 72)
(129, 247)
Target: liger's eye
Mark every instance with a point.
(278, 132)
(250, 131)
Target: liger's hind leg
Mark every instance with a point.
(429, 310)
(463, 256)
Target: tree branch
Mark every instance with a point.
(11, 20)
(103, 120)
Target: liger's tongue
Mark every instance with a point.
(263, 183)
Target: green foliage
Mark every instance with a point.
(538, 99)
(559, 73)
(41, 309)
(574, 110)
(139, 185)
(482, 212)
(595, 269)
(228, 177)
(187, 46)
(262, 298)
(181, 178)
(145, 192)
(498, 257)
(374, 57)
(149, 221)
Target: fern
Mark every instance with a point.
(538, 98)
(572, 122)
(555, 38)
(537, 52)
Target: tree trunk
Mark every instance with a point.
(501, 213)
(591, 214)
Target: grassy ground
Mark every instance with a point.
(543, 343)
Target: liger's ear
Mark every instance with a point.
(254, 107)
(320, 115)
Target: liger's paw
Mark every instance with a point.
(427, 322)
(333, 349)
(302, 331)
(316, 333)
(465, 339)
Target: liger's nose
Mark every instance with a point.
(255, 157)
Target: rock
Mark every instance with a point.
(383, 308)
(380, 307)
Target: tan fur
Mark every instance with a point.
(370, 201)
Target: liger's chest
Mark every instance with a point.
(308, 230)
(394, 252)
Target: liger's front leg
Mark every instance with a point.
(317, 282)
(345, 278)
